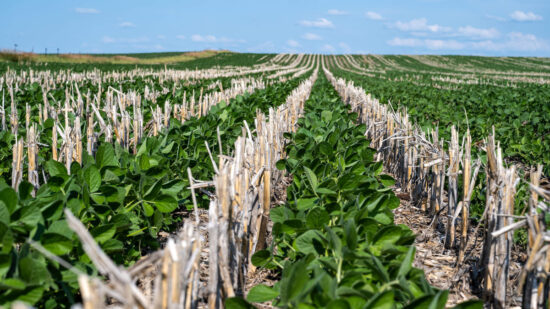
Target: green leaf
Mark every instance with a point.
(30, 216)
(261, 293)
(9, 197)
(281, 165)
(406, 264)
(261, 258)
(103, 233)
(105, 156)
(317, 218)
(4, 214)
(93, 178)
(33, 271)
(237, 303)
(430, 301)
(305, 203)
(295, 278)
(338, 304)
(56, 243)
(165, 203)
(325, 191)
(56, 169)
(12, 283)
(311, 177)
(387, 180)
(309, 242)
(382, 300)
(280, 214)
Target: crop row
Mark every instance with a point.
(334, 240)
(124, 199)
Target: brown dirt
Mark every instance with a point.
(439, 264)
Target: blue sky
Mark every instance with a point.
(489, 27)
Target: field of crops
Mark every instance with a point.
(241, 180)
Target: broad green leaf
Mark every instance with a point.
(103, 233)
(382, 300)
(9, 197)
(56, 243)
(317, 218)
(406, 264)
(92, 177)
(305, 203)
(261, 293)
(165, 203)
(12, 283)
(237, 303)
(311, 177)
(56, 169)
(261, 258)
(309, 242)
(105, 156)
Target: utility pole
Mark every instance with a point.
(58, 51)
(15, 47)
(45, 51)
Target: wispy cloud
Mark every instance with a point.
(344, 47)
(292, 43)
(478, 33)
(427, 43)
(373, 15)
(108, 39)
(525, 16)
(513, 41)
(311, 37)
(213, 39)
(161, 37)
(337, 12)
(127, 24)
(319, 23)
(420, 24)
(328, 48)
(180, 36)
(87, 11)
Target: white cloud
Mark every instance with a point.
(87, 11)
(213, 39)
(420, 24)
(345, 47)
(328, 48)
(525, 16)
(127, 24)
(292, 43)
(337, 12)
(430, 44)
(444, 44)
(108, 39)
(515, 41)
(373, 15)
(181, 37)
(319, 23)
(311, 37)
(408, 42)
(161, 37)
(478, 33)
